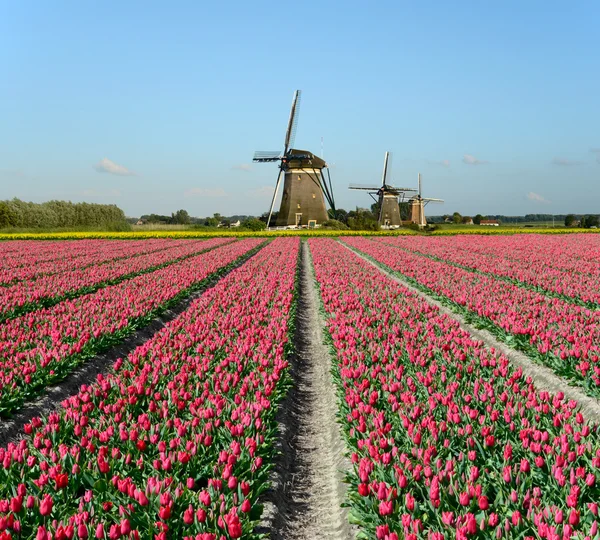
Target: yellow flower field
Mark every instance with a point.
(303, 233)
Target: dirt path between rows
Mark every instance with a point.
(11, 429)
(543, 377)
(305, 500)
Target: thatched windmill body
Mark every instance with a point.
(417, 205)
(305, 186)
(387, 197)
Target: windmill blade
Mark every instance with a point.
(394, 188)
(290, 134)
(274, 196)
(330, 189)
(428, 199)
(262, 156)
(363, 187)
(385, 168)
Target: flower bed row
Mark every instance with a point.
(448, 440)
(44, 346)
(557, 270)
(576, 251)
(48, 290)
(13, 252)
(67, 256)
(559, 334)
(176, 442)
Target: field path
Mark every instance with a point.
(305, 501)
(543, 377)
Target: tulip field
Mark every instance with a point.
(444, 437)
(555, 331)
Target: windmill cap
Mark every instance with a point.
(305, 156)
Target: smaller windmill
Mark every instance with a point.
(387, 197)
(417, 205)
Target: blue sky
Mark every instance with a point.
(159, 106)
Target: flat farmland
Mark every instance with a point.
(388, 387)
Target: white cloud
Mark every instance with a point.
(536, 197)
(472, 160)
(105, 165)
(94, 193)
(243, 167)
(205, 192)
(564, 162)
(262, 192)
(442, 163)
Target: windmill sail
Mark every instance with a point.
(264, 156)
(290, 134)
(385, 169)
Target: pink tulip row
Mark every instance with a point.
(529, 268)
(448, 440)
(176, 442)
(560, 334)
(16, 254)
(46, 290)
(45, 345)
(29, 265)
(571, 253)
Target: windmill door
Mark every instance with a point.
(298, 220)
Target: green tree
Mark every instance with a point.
(477, 219)
(53, 214)
(456, 218)
(8, 217)
(334, 224)
(590, 221)
(181, 217)
(569, 220)
(254, 224)
(340, 215)
(404, 211)
(362, 220)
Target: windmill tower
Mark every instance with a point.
(387, 197)
(417, 205)
(305, 187)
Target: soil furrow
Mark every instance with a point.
(305, 501)
(543, 377)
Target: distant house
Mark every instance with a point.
(228, 224)
(490, 222)
(448, 220)
(140, 222)
(468, 221)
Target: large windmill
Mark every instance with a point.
(305, 188)
(417, 205)
(387, 197)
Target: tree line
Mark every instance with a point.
(60, 214)
(570, 220)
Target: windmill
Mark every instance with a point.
(305, 187)
(417, 205)
(387, 197)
